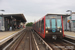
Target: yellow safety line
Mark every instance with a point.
(8, 35)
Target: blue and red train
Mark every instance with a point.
(51, 25)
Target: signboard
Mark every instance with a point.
(70, 17)
(73, 21)
(52, 17)
(68, 21)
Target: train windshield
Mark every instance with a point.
(59, 23)
(47, 23)
(53, 23)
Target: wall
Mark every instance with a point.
(0, 22)
(2, 28)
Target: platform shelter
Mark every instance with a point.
(10, 22)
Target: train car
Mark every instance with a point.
(51, 25)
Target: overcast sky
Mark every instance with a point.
(35, 9)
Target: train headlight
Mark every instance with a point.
(46, 31)
(60, 31)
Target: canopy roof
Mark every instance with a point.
(17, 16)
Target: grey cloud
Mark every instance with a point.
(37, 8)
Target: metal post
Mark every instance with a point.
(70, 20)
(2, 19)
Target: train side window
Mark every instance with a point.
(38, 26)
(42, 25)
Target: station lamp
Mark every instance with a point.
(2, 10)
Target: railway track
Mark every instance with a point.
(25, 41)
(60, 44)
(30, 40)
(14, 44)
(42, 45)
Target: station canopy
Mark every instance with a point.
(16, 16)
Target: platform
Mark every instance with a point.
(70, 35)
(5, 36)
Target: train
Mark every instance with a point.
(51, 26)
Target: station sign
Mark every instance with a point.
(52, 17)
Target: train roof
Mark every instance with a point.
(63, 15)
(66, 15)
(17, 16)
(39, 19)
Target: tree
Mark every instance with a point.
(29, 24)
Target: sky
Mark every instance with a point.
(33, 10)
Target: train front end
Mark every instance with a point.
(54, 26)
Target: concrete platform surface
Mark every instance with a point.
(70, 35)
(5, 36)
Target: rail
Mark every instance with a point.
(47, 46)
(37, 48)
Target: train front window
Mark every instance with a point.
(53, 22)
(59, 23)
(47, 23)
